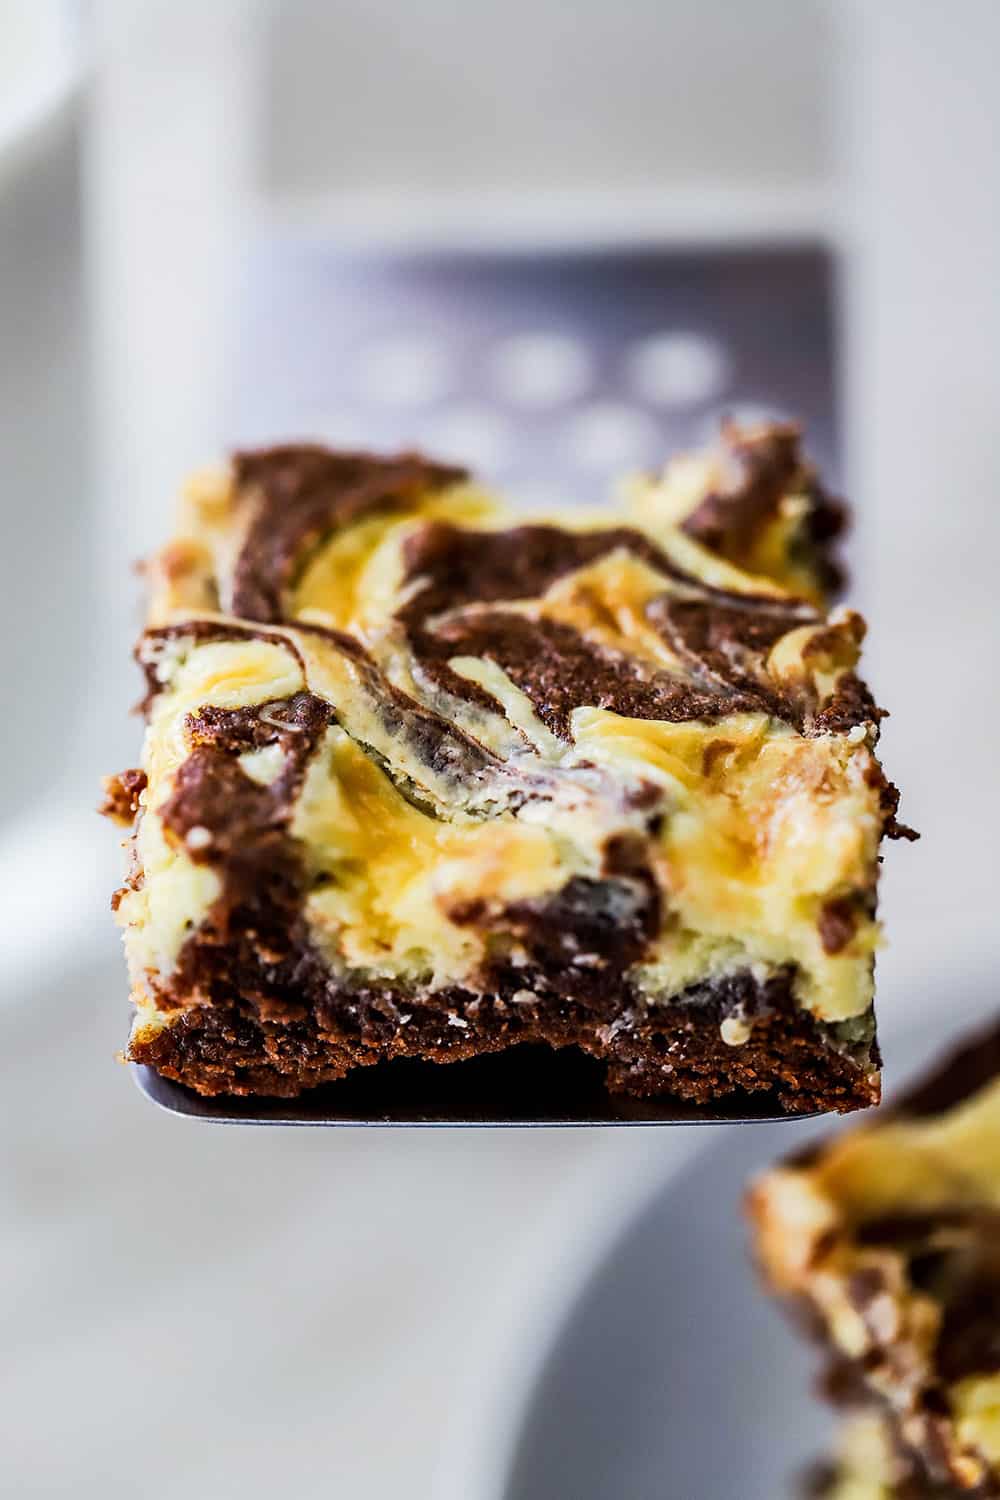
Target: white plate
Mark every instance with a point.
(661, 1372)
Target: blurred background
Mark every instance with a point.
(556, 242)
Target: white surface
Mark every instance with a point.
(532, 97)
(41, 66)
(57, 868)
(922, 331)
(522, 123)
(176, 1331)
(238, 1313)
(43, 560)
(170, 152)
(536, 1293)
(711, 213)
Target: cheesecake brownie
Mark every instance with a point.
(424, 777)
(869, 1465)
(887, 1241)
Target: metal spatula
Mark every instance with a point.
(611, 310)
(526, 1086)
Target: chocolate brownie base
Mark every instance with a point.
(674, 1050)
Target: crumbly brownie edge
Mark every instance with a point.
(767, 466)
(676, 1050)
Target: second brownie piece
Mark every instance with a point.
(887, 1242)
